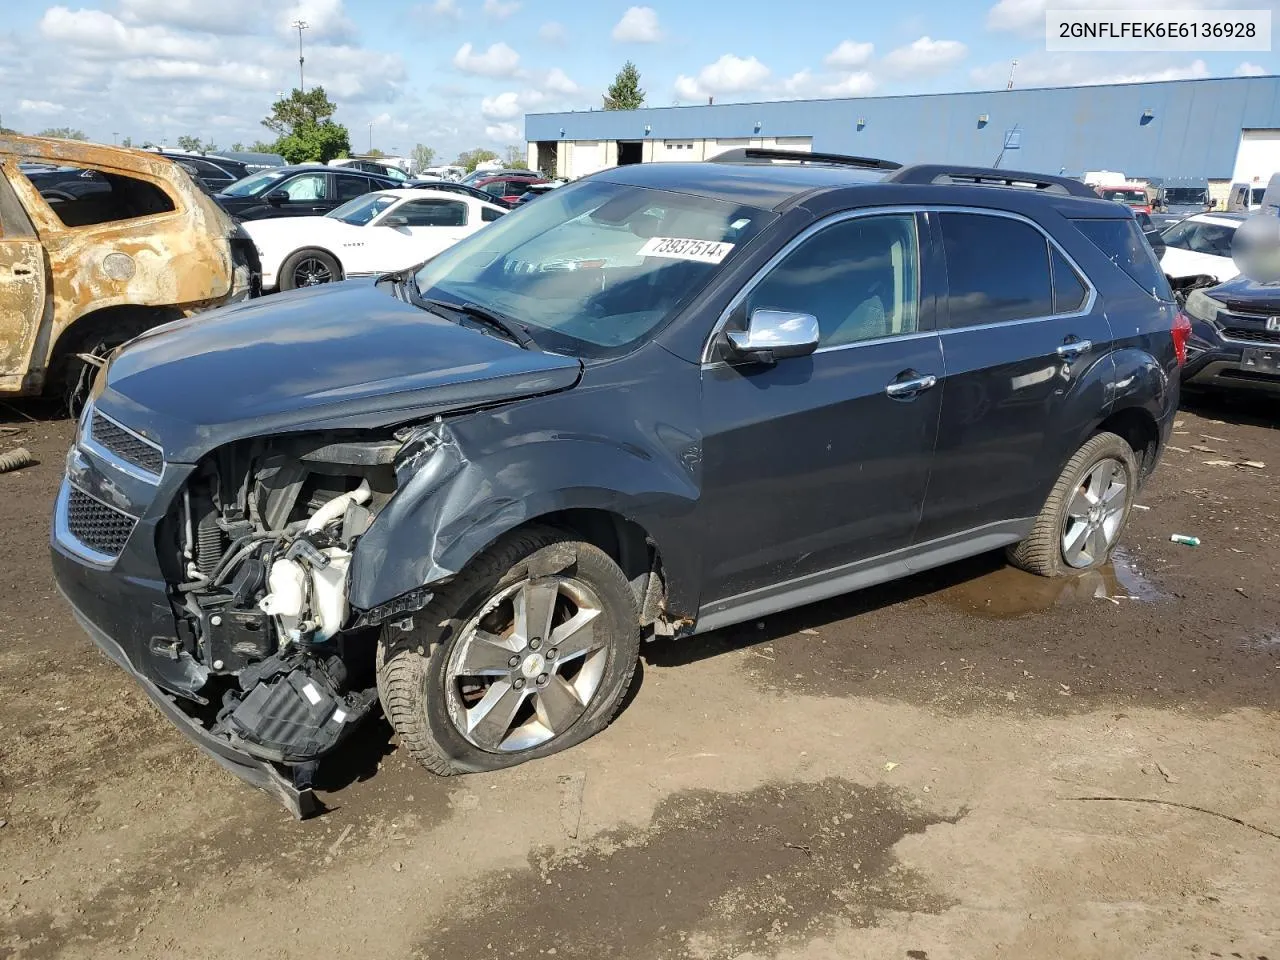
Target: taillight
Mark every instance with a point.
(1181, 333)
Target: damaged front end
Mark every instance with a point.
(262, 539)
(264, 662)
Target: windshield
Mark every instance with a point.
(361, 210)
(594, 267)
(1199, 237)
(1126, 196)
(253, 184)
(1185, 196)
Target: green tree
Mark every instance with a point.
(299, 109)
(515, 158)
(127, 142)
(7, 131)
(63, 133)
(237, 147)
(313, 143)
(188, 142)
(375, 152)
(625, 93)
(261, 146)
(470, 159)
(423, 156)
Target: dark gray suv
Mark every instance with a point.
(663, 399)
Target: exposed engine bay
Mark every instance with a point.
(262, 541)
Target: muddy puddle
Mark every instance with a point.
(1007, 592)
(713, 876)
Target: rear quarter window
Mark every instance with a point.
(1123, 244)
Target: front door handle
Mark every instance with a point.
(912, 387)
(22, 270)
(1074, 348)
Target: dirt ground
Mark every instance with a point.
(946, 767)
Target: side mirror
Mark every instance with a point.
(775, 335)
(395, 220)
(277, 196)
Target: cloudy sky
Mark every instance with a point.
(462, 73)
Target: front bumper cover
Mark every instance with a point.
(302, 802)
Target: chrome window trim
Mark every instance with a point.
(62, 532)
(90, 445)
(741, 295)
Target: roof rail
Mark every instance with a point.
(989, 176)
(765, 154)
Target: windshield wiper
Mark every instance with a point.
(512, 328)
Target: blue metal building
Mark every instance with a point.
(1175, 129)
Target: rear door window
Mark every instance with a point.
(1124, 245)
(350, 187)
(433, 213)
(1069, 291)
(997, 270)
(84, 196)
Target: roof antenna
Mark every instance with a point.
(1012, 68)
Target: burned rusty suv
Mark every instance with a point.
(98, 244)
(663, 399)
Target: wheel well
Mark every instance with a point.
(1139, 430)
(119, 323)
(627, 543)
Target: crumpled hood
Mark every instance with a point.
(337, 356)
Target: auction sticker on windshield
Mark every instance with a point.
(682, 248)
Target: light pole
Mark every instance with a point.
(300, 25)
(371, 136)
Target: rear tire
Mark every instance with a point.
(484, 681)
(1086, 512)
(309, 268)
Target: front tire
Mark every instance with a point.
(1086, 512)
(309, 268)
(529, 650)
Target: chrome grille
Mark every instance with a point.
(1251, 336)
(99, 527)
(126, 445)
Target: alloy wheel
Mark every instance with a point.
(311, 271)
(525, 669)
(1095, 514)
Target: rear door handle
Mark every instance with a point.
(911, 388)
(1074, 348)
(22, 270)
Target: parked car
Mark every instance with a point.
(1151, 232)
(450, 186)
(371, 166)
(1179, 199)
(376, 233)
(512, 463)
(534, 192)
(477, 175)
(213, 172)
(507, 190)
(1130, 196)
(1235, 336)
(307, 190)
(1200, 246)
(81, 272)
(1245, 197)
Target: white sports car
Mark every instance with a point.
(374, 233)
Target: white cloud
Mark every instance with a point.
(443, 10)
(638, 25)
(505, 106)
(730, 74)
(1248, 69)
(857, 84)
(552, 32)
(498, 61)
(93, 33)
(500, 9)
(558, 82)
(356, 74)
(325, 19)
(849, 55)
(247, 76)
(1027, 16)
(39, 106)
(503, 132)
(925, 55)
(223, 17)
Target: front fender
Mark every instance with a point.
(459, 499)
